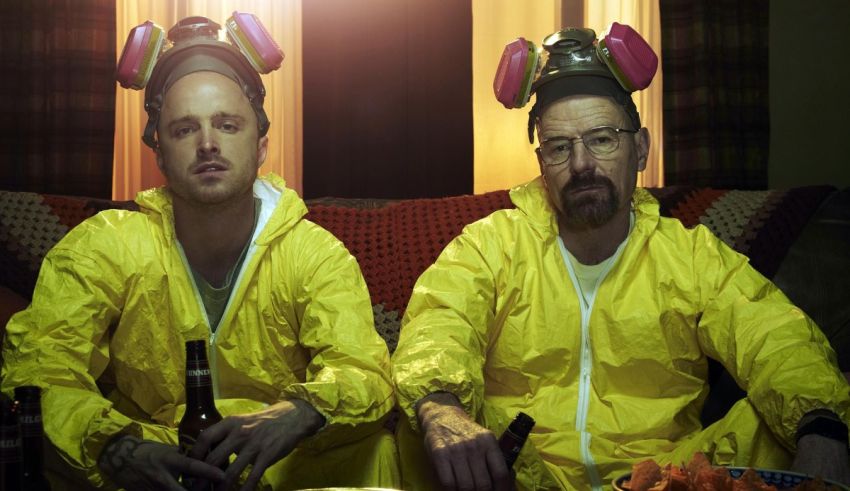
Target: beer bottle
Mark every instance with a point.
(200, 404)
(28, 398)
(514, 437)
(10, 446)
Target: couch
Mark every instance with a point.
(798, 237)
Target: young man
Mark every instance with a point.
(585, 309)
(217, 254)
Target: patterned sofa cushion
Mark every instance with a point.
(394, 241)
(31, 224)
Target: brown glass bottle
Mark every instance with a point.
(28, 398)
(514, 437)
(10, 446)
(200, 404)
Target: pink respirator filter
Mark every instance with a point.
(139, 55)
(254, 41)
(515, 74)
(628, 56)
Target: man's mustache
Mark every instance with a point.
(586, 180)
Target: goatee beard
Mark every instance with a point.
(588, 209)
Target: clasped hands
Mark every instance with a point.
(259, 439)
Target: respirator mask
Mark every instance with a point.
(574, 61)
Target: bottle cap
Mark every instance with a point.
(196, 345)
(523, 423)
(27, 392)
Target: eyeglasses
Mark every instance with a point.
(600, 142)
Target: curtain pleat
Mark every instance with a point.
(57, 60)
(716, 101)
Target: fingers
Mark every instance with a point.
(463, 476)
(466, 456)
(443, 465)
(158, 477)
(209, 438)
(260, 466)
(463, 466)
(480, 473)
(193, 467)
(220, 455)
(149, 481)
(502, 479)
(234, 470)
(169, 485)
(471, 465)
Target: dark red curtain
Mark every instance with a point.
(57, 96)
(387, 98)
(716, 105)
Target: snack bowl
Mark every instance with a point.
(780, 479)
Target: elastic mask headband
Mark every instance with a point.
(151, 61)
(620, 55)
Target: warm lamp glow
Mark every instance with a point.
(503, 156)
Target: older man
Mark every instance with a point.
(220, 255)
(585, 309)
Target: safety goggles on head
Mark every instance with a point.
(620, 53)
(152, 61)
(147, 42)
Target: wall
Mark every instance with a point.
(809, 93)
(387, 98)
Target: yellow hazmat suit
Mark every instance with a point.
(497, 321)
(115, 303)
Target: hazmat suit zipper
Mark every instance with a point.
(212, 353)
(585, 365)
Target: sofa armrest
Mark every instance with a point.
(815, 273)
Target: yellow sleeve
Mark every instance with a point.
(61, 344)
(348, 377)
(772, 348)
(445, 331)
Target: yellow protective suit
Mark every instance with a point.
(115, 303)
(497, 321)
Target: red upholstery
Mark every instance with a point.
(395, 241)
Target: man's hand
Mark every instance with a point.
(824, 457)
(465, 455)
(261, 439)
(135, 464)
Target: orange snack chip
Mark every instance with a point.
(700, 475)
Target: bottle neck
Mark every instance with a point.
(199, 393)
(514, 437)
